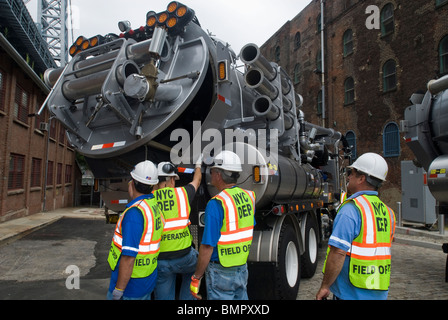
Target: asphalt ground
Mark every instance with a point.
(62, 255)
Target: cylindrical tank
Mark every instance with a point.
(438, 178)
(282, 179)
(439, 121)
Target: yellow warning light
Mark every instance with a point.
(181, 11)
(80, 40)
(257, 174)
(85, 45)
(171, 22)
(222, 70)
(172, 6)
(151, 21)
(162, 17)
(73, 50)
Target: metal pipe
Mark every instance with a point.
(436, 86)
(85, 86)
(263, 107)
(256, 80)
(251, 55)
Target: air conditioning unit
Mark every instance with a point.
(43, 126)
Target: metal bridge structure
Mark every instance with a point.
(43, 45)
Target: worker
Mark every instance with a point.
(228, 232)
(177, 256)
(136, 241)
(358, 263)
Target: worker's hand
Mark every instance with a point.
(323, 294)
(199, 162)
(117, 294)
(194, 287)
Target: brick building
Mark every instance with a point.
(25, 143)
(377, 53)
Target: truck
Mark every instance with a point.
(169, 91)
(425, 126)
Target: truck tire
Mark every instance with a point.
(288, 267)
(309, 257)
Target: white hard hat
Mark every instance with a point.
(167, 169)
(372, 164)
(227, 160)
(145, 172)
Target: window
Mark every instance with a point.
(443, 55)
(16, 171)
(391, 140)
(387, 20)
(50, 174)
(277, 53)
(440, 2)
(21, 105)
(351, 140)
(389, 76)
(348, 42)
(297, 41)
(2, 90)
(59, 174)
(297, 73)
(68, 173)
(61, 134)
(319, 61)
(319, 23)
(319, 103)
(36, 172)
(349, 88)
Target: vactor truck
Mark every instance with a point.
(169, 91)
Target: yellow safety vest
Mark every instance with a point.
(149, 247)
(175, 207)
(370, 253)
(238, 226)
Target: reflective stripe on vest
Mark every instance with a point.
(149, 247)
(370, 253)
(175, 207)
(238, 226)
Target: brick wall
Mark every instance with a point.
(419, 28)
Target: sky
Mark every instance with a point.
(237, 22)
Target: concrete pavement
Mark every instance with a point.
(418, 261)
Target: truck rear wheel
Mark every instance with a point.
(309, 257)
(288, 267)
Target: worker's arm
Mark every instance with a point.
(125, 272)
(197, 178)
(335, 262)
(205, 253)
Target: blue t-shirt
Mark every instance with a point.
(132, 229)
(346, 228)
(214, 218)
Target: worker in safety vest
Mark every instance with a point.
(358, 264)
(136, 241)
(177, 256)
(229, 224)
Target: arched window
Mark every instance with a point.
(319, 61)
(297, 40)
(389, 75)
(387, 19)
(391, 140)
(349, 89)
(443, 55)
(297, 73)
(350, 136)
(348, 42)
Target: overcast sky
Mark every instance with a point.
(237, 22)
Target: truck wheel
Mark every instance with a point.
(288, 267)
(309, 257)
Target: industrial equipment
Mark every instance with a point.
(130, 97)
